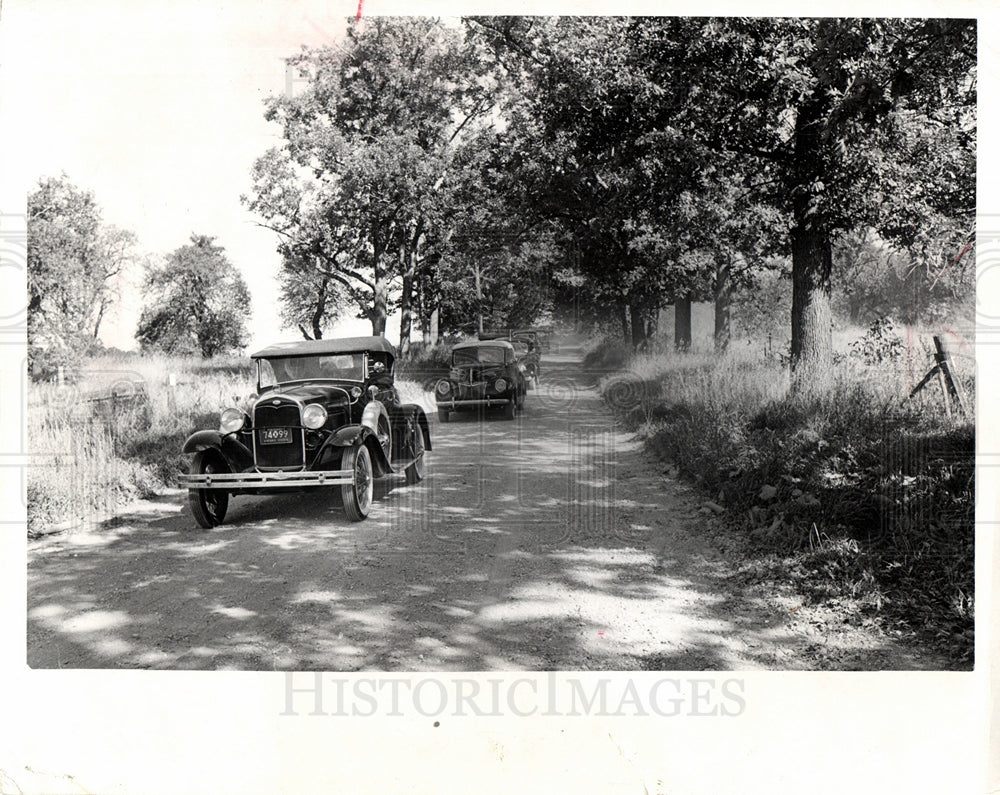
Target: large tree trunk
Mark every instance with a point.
(379, 311)
(638, 326)
(405, 316)
(812, 254)
(682, 323)
(479, 298)
(623, 320)
(812, 314)
(723, 299)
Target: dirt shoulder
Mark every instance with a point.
(553, 542)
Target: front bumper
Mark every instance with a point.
(462, 403)
(267, 480)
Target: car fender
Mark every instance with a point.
(349, 434)
(371, 413)
(370, 417)
(236, 454)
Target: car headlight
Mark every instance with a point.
(443, 387)
(499, 385)
(356, 392)
(231, 420)
(314, 416)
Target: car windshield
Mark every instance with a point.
(520, 348)
(489, 354)
(281, 369)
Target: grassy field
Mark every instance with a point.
(116, 433)
(840, 484)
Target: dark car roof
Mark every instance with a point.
(319, 347)
(483, 344)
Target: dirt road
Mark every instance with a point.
(553, 542)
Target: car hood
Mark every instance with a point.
(328, 393)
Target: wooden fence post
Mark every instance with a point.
(949, 384)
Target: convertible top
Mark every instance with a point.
(319, 347)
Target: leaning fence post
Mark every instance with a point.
(944, 361)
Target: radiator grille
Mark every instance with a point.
(278, 456)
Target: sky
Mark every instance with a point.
(158, 109)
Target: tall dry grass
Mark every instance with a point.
(838, 474)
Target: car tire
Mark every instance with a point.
(208, 506)
(510, 409)
(415, 471)
(357, 494)
(443, 415)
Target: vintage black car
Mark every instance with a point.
(484, 373)
(526, 351)
(326, 413)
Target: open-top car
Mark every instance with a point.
(325, 413)
(539, 335)
(484, 374)
(526, 351)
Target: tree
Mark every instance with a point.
(362, 179)
(196, 302)
(834, 124)
(816, 109)
(74, 260)
(597, 153)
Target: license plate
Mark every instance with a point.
(275, 435)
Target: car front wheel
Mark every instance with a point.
(358, 493)
(208, 505)
(443, 415)
(415, 471)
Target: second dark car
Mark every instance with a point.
(483, 374)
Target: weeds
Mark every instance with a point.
(861, 494)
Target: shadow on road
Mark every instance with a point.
(551, 542)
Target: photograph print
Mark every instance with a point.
(412, 344)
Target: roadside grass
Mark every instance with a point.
(838, 485)
(115, 434)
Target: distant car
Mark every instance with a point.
(529, 358)
(484, 374)
(539, 336)
(326, 414)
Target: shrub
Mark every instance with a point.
(864, 495)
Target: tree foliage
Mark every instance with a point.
(610, 166)
(364, 176)
(196, 302)
(74, 259)
(827, 125)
